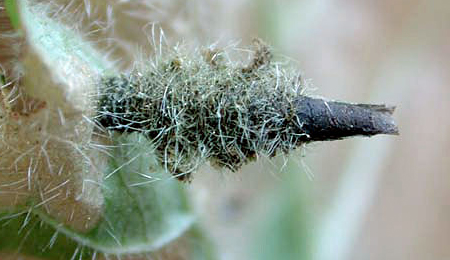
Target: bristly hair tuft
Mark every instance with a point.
(201, 107)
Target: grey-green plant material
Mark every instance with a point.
(67, 190)
(202, 106)
(88, 154)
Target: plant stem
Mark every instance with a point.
(324, 120)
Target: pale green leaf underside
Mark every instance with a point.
(137, 216)
(134, 218)
(55, 41)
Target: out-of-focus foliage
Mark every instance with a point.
(284, 231)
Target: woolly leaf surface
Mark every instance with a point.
(59, 69)
(139, 215)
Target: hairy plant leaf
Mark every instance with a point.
(144, 210)
(135, 207)
(144, 207)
